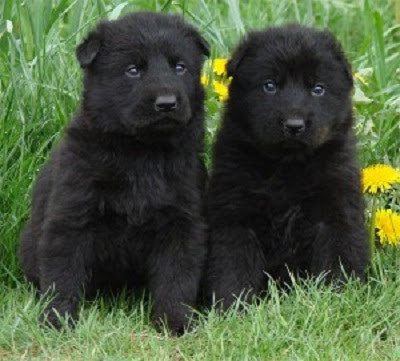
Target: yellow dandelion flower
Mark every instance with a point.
(204, 80)
(388, 225)
(379, 177)
(359, 77)
(221, 89)
(219, 66)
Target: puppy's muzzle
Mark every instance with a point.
(166, 103)
(294, 127)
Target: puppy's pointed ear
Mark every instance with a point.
(202, 43)
(87, 51)
(237, 57)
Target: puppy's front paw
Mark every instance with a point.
(177, 320)
(58, 309)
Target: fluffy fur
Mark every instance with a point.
(119, 201)
(285, 188)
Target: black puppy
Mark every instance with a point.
(119, 202)
(285, 187)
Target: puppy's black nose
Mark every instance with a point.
(165, 103)
(294, 126)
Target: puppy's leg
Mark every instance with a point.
(339, 246)
(64, 259)
(235, 266)
(33, 229)
(341, 242)
(175, 268)
(28, 254)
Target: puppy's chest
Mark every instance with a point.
(284, 190)
(135, 197)
(290, 200)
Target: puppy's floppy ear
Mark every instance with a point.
(204, 45)
(348, 70)
(200, 42)
(346, 65)
(339, 55)
(237, 57)
(87, 51)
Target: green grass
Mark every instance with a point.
(40, 85)
(309, 323)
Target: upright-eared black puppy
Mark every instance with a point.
(285, 190)
(119, 201)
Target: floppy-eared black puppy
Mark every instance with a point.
(285, 188)
(119, 201)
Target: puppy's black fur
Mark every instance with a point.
(119, 202)
(285, 187)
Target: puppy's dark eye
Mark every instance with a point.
(180, 68)
(270, 87)
(132, 71)
(318, 90)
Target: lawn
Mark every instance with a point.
(40, 84)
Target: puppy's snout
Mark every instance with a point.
(294, 126)
(165, 103)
